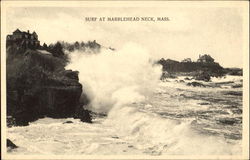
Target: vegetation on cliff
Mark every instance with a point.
(57, 48)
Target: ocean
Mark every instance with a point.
(137, 114)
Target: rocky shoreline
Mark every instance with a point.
(200, 70)
(39, 86)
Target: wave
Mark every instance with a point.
(157, 136)
(118, 83)
(116, 77)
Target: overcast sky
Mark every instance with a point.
(190, 31)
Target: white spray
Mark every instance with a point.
(113, 78)
(115, 81)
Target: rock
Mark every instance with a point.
(237, 86)
(223, 83)
(11, 145)
(115, 137)
(51, 101)
(67, 122)
(234, 93)
(227, 121)
(172, 66)
(234, 71)
(38, 86)
(130, 146)
(204, 103)
(71, 74)
(196, 84)
(204, 76)
(11, 121)
(181, 81)
(83, 114)
(167, 75)
(187, 79)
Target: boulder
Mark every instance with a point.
(203, 76)
(83, 114)
(11, 145)
(181, 81)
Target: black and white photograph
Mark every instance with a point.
(125, 79)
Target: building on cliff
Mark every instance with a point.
(23, 39)
(205, 59)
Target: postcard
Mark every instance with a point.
(125, 80)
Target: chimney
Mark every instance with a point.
(28, 31)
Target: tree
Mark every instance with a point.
(82, 44)
(45, 45)
(57, 50)
(77, 45)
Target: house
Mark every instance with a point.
(24, 39)
(205, 59)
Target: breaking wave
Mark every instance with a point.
(115, 78)
(119, 83)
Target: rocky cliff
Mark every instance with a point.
(199, 70)
(172, 66)
(38, 86)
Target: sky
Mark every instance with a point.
(191, 31)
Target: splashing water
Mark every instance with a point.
(117, 82)
(145, 116)
(116, 78)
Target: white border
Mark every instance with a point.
(242, 4)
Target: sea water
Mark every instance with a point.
(145, 116)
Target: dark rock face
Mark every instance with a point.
(10, 121)
(199, 70)
(173, 66)
(38, 86)
(167, 75)
(83, 114)
(11, 145)
(203, 76)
